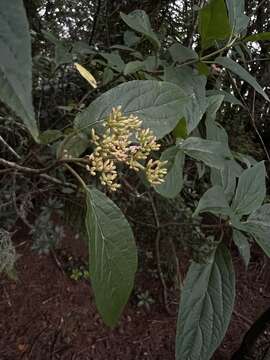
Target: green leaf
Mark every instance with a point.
(251, 190)
(194, 86)
(130, 38)
(114, 61)
(238, 19)
(158, 104)
(258, 37)
(133, 66)
(139, 21)
(180, 53)
(63, 54)
(213, 23)
(212, 153)
(16, 63)
(213, 201)
(227, 96)
(49, 136)
(242, 73)
(258, 225)
(112, 255)
(174, 179)
(75, 144)
(180, 132)
(206, 307)
(107, 76)
(225, 177)
(242, 243)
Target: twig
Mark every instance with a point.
(12, 151)
(157, 243)
(39, 172)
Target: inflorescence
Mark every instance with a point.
(116, 145)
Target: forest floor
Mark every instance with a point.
(47, 315)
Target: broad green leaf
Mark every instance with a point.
(258, 224)
(213, 23)
(158, 104)
(112, 255)
(194, 86)
(114, 61)
(139, 21)
(238, 19)
(212, 153)
(130, 38)
(16, 63)
(258, 37)
(227, 96)
(242, 243)
(242, 73)
(174, 179)
(206, 307)
(213, 201)
(180, 53)
(251, 190)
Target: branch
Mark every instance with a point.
(39, 172)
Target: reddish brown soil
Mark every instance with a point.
(46, 315)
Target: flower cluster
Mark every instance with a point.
(116, 145)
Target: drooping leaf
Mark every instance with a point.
(206, 307)
(174, 179)
(258, 37)
(251, 190)
(213, 201)
(16, 63)
(158, 104)
(194, 86)
(238, 19)
(213, 23)
(180, 53)
(242, 73)
(112, 255)
(139, 21)
(87, 75)
(258, 224)
(212, 153)
(241, 241)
